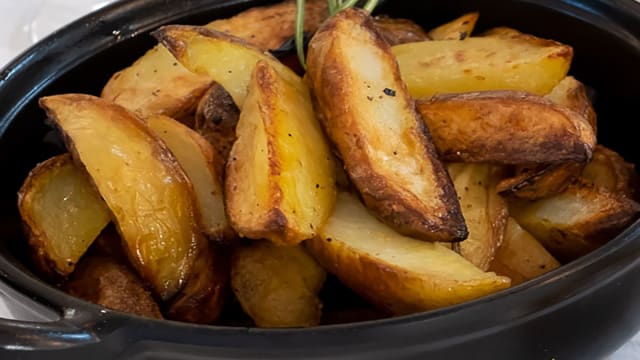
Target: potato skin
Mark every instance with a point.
(130, 166)
(110, 283)
(506, 127)
(277, 285)
(399, 31)
(62, 214)
(371, 120)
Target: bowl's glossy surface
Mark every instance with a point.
(585, 309)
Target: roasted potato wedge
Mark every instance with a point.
(197, 158)
(205, 293)
(157, 84)
(268, 27)
(573, 94)
(216, 119)
(399, 31)
(394, 272)
(537, 181)
(506, 127)
(577, 221)
(62, 214)
(110, 283)
(143, 185)
(524, 63)
(485, 212)
(521, 257)
(280, 180)
(371, 119)
(457, 29)
(277, 285)
(610, 170)
(226, 59)
(501, 31)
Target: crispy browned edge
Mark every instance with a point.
(275, 223)
(540, 180)
(470, 17)
(580, 151)
(398, 31)
(376, 189)
(160, 150)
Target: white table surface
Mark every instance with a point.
(22, 22)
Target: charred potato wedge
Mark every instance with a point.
(506, 127)
(62, 214)
(204, 295)
(396, 273)
(371, 119)
(277, 285)
(537, 181)
(399, 31)
(524, 63)
(216, 120)
(108, 282)
(157, 84)
(484, 211)
(226, 59)
(143, 185)
(280, 180)
(610, 170)
(197, 158)
(520, 256)
(577, 221)
(457, 29)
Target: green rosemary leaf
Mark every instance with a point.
(300, 32)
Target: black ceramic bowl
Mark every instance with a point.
(584, 310)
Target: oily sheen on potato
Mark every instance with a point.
(368, 114)
(396, 273)
(523, 62)
(280, 180)
(62, 212)
(143, 185)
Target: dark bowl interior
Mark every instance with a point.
(586, 309)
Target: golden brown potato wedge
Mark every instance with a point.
(197, 158)
(226, 59)
(521, 257)
(573, 94)
(216, 119)
(150, 196)
(399, 31)
(610, 170)
(156, 84)
(502, 31)
(268, 27)
(506, 127)
(62, 214)
(538, 181)
(457, 29)
(277, 285)
(485, 212)
(523, 63)
(577, 221)
(203, 297)
(110, 283)
(371, 119)
(394, 272)
(280, 179)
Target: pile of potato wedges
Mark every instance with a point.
(419, 168)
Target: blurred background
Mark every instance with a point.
(25, 22)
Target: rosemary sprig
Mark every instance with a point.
(335, 6)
